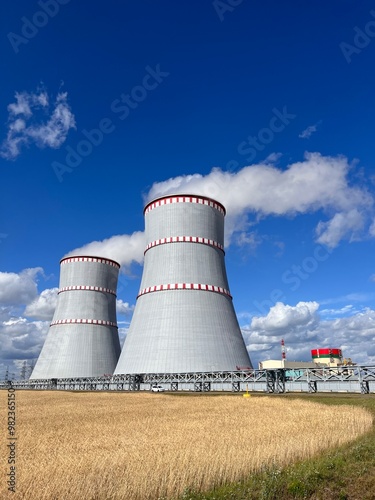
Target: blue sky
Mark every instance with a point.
(266, 106)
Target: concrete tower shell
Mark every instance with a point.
(83, 338)
(184, 320)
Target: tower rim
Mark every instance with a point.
(100, 258)
(184, 195)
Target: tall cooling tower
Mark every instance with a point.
(184, 320)
(83, 339)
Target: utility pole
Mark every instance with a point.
(24, 370)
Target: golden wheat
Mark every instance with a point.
(145, 446)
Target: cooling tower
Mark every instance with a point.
(83, 339)
(184, 320)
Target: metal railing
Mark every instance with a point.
(354, 379)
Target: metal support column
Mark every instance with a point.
(280, 381)
(363, 384)
(270, 377)
(236, 386)
(135, 382)
(365, 387)
(197, 386)
(312, 386)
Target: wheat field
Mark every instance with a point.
(146, 446)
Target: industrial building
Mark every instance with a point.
(275, 364)
(327, 357)
(184, 319)
(83, 338)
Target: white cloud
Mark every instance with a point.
(248, 239)
(124, 308)
(307, 133)
(283, 316)
(273, 158)
(50, 132)
(318, 183)
(295, 324)
(18, 125)
(350, 297)
(357, 332)
(19, 288)
(341, 225)
(302, 329)
(122, 333)
(342, 311)
(124, 249)
(43, 306)
(21, 339)
(22, 104)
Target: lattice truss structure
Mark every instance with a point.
(356, 379)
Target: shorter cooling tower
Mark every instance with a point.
(184, 320)
(83, 339)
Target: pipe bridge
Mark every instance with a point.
(352, 379)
